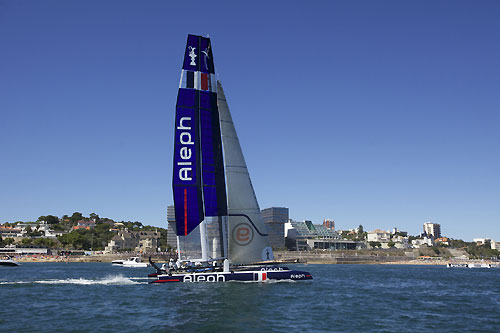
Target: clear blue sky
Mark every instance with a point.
(380, 113)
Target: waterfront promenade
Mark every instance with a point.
(306, 257)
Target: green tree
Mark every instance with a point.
(77, 216)
(58, 227)
(45, 242)
(9, 241)
(375, 244)
(77, 239)
(32, 233)
(51, 219)
(27, 241)
(391, 244)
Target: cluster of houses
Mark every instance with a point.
(284, 233)
(22, 230)
(305, 236)
(124, 240)
(138, 241)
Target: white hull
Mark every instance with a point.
(132, 262)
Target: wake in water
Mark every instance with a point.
(117, 280)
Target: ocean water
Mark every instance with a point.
(90, 297)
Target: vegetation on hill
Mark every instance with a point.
(481, 251)
(92, 238)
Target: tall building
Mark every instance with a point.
(275, 219)
(172, 227)
(432, 230)
(329, 224)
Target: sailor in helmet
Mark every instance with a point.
(171, 264)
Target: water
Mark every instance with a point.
(89, 297)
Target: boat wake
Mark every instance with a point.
(110, 280)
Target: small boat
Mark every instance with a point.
(479, 265)
(452, 265)
(8, 261)
(134, 262)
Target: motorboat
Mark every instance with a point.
(134, 262)
(479, 265)
(8, 261)
(456, 265)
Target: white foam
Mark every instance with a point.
(13, 282)
(110, 280)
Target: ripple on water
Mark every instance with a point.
(98, 297)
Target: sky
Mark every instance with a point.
(380, 113)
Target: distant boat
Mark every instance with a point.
(469, 265)
(452, 265)
(8, 261)
(131, 262)
(219, 224)
(479, 265)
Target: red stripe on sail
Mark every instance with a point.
(204, 81)
(185, 212)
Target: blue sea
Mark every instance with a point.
(90, 297)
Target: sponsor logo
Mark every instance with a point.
(204, 278)
(297, 276)
(185, 153)
(272, 269)
(192, 55)
(242, 234)
(205, 53)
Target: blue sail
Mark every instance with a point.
(198, 182)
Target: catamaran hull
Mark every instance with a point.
(245, 276)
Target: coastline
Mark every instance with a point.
(283, 257)
(89, 258)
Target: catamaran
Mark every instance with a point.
(221, 234)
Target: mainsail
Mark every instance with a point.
(203, 131)
(198, 177)
(198, 173)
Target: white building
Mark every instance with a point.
(378, 235)
(419, 242)
(482, 241)
(400, 242)
(140, 241)
(432, 229)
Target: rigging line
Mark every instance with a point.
(250, 220)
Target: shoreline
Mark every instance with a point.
(310, 259)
